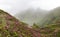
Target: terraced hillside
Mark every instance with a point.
(11, 27)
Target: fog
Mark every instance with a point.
(15, 6)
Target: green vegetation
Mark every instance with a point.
(12, 27)
(50, 24)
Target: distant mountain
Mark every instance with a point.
(51, 17)
(12, 27)
(31, 15)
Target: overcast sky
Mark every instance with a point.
(15, 6)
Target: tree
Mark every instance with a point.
(35, 26)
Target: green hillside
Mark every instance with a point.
(12, 27)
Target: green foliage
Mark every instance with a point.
(58, 34)
(35, 26)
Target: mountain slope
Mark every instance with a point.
(53, 16)
(12, 27)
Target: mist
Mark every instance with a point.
(32, 15)
(16, 6)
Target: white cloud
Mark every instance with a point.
(14, 6)
(45, 4)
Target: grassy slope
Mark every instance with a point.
(11, 27)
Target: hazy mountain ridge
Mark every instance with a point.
(31, 16)
(52, 16)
